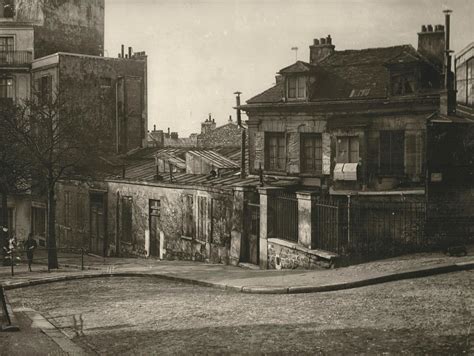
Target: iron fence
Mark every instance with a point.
(283, 216)
(373, 229)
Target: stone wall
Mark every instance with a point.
(64, 26)
(285, 255)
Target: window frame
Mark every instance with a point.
(392, 169)
(316, 168)
(300, 90)
(350, 151)
(275, 163)
(7, 91)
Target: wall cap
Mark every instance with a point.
(319, 253)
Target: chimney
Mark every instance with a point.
(320, 49)
(174, 135)
(447, 100)
(230, 119)
(130, 52)
(431, 43)
(122, 51)
(154, 128)
(208, 125)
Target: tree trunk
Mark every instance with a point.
(4, 220)
(51, 240)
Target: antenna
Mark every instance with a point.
(296, 52)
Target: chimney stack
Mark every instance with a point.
(432, 43)
(122, 52)
(321, 49)
(130, 52)
(447, 100)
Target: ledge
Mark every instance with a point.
(294, 246)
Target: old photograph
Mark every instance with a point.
(236, 177)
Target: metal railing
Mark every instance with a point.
(15, 58)
(67, 257)
(283, 216)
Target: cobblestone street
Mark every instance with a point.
(149, 316)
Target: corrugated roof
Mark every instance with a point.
(214, 158)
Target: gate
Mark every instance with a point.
(251, 235)
(326, 219)
(154, 226)
(97, 224)
(283, 216)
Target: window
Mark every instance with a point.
(392, 148)
(311, 153)
(348, 149)
(44, 89)
(296, 87)
(188, 216)
(7, 10)
(403, 84)
(275, 154)
(127, 219)
(6, 44)
(105, 82)
(203, 219)
(7, 88)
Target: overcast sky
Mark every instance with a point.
(201, 51)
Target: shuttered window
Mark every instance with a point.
(275, 151)
(311, 153)
(188, 216)
(392, 152)
(127, 219)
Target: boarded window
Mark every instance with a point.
(127, 219)
(203, 218)
(311, 153)
(392, 152)
(188, 216)
(348, 149)
(275, 151)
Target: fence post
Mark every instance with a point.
(82, 259)
(306, 222)
(4, 305)
(348, 219)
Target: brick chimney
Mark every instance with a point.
(320, 49)
(431, 43)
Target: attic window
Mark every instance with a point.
(403, 84)
(296, 87)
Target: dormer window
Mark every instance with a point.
(296, 87)
(403, 84)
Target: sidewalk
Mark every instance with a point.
(244, 280)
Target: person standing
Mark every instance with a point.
(30, 246)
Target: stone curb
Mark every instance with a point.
(13, 321)
(408, 274)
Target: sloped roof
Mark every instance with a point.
(349, 74)
(297, 67)
(213, 158)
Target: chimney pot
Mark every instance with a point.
(430, 28)
(122, 51)
(130, 52)
(230, 118)
(154, 127)
(329, 39)
(441, 28)
(315, 42)
(322, 41)
(423, 28)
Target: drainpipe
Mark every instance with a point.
(243, 135)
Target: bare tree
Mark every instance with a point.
(64, 137)
(14, 168)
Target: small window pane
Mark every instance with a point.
(292, 87)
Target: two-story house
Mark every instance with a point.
(348, 128)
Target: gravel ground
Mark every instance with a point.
(148, 316)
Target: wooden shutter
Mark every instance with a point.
(259, 150)
(326, 153)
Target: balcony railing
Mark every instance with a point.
(15, 58)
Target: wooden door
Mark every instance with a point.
(154, 225)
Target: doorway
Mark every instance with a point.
(154, 226)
